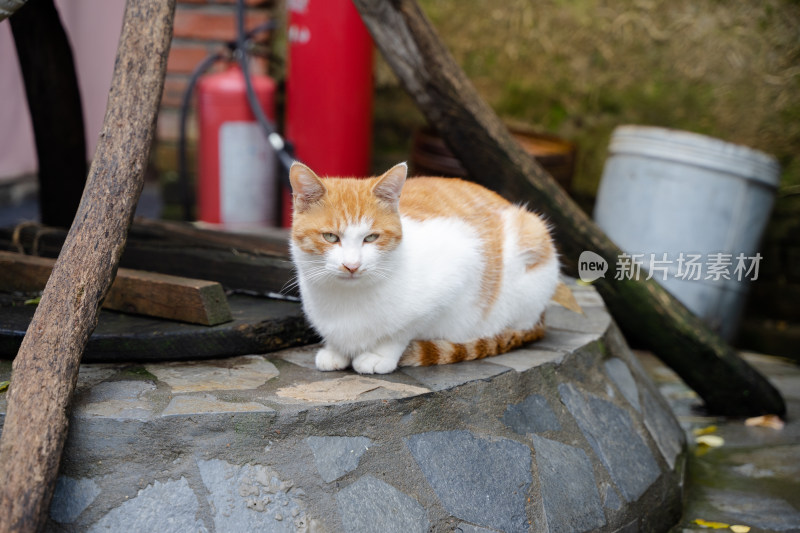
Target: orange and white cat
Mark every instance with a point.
(416, 272)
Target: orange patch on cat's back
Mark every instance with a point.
(480, 208)
(424, 198)
(533, 237)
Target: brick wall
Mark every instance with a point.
(202, 27)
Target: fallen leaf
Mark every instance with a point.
(765, 421)
(4, 385)
(564, 297)
(712, 441)
(704, 431)
(740, 529)
(33, 301)
(709, 524)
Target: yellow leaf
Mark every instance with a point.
(712, 441)
(704, 431)
(740, 529)
(709, 524)
(4, 385)
(564, 297)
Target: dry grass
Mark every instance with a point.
(579, 68)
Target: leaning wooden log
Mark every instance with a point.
(54, 101)
(647, 313)
(46, 368)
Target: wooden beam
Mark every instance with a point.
(645, 311)
(260, 325)
(139, 292)
(254, 264)
(45, 370)
(24, 273)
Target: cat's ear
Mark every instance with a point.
(307, 188)
(390, 184)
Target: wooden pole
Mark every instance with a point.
(45, 370)
(646, 313)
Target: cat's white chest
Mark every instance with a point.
(436, 267)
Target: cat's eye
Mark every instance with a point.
(372, 237)
(330, 237)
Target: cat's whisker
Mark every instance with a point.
(318, 273)
(290, 285)
(382, 272)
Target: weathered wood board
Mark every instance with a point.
(253, 264)
(257, 264)
(133, 291)
(259, 325)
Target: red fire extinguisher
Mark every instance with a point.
(237, 174)
(329, 89)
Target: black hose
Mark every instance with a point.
(275, 140)
(238, 49)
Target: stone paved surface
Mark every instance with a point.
(751, 477)
(336, 456)
(369, 504)
(570, 496)
(481, 480)
(611, 434)
(568, 434)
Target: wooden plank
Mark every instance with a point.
(133, 291)
(24, 273)
(262, 241)
(259, 325)
(255, 264)
(164, 296)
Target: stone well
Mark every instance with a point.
(566, 435)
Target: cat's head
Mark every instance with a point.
(345, 228)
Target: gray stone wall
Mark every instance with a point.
(566, 435)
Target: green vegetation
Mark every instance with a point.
(137, 373)
(579, 68)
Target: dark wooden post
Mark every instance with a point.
(645, 311)
(54, 101)
(46, 368)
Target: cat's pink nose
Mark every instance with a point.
(351, 267)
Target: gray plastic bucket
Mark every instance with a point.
(687, 195)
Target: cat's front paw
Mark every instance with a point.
(373, 363)
(328, 360)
